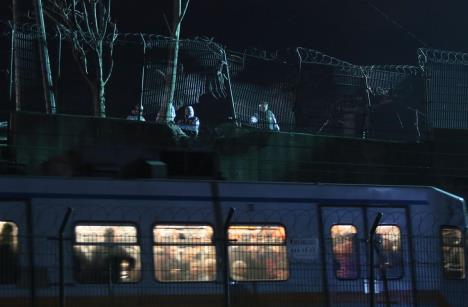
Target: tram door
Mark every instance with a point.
(14, 260)
(347, 258)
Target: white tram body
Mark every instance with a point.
(217, 243)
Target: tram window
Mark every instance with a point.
(389, 257)
(453, 253)
(184, 253)
(9, 265)
(258, 253)
(345, 251)
(106, 253)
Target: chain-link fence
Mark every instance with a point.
(306, 90)
(184, 265)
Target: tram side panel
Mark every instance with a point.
(274, 250)
(112, 255)
(440, 251)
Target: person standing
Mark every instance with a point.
(264, 118)
(190, 124)
(136, 113)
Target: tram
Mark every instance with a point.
(103, 242)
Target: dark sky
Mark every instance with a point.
(349, 29)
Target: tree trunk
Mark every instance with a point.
(165, 114)
(45, 62)
(100, 103)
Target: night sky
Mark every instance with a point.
(349, 29)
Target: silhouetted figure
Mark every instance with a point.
(8, 255)
(108, 262)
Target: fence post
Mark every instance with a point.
(142, 76)
(10, 72)
(61, 257)
(370, 241)
(231, 96)
(227, 290)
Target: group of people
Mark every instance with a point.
(257, 262)
(190, 123)
(264, 119)
(185, 263)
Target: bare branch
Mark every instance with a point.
(181, 17)
(169, 28)
(86, 24)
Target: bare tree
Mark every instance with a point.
(166, 113)
(88, 26)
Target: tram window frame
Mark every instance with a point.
(211, 244)
(460, 247)
(282, 244)
(356, 254)
(17, 269)
(136, 244)
(400, 255)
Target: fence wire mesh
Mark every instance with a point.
(307, 91)
(181, 264)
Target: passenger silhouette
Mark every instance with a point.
(8, 255)
(107, 262)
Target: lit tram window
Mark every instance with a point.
(345, 251)
(453, 253)
(106, 253)
(389, 257)
(9, 265)
(184, 253)
(258, 252)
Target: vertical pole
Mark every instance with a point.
(231, 96)
(142, 76)
(227, 290)
(370, 241)
(12, 51)
(45, 62)
(16, 55)
(62, 258)
(31, 256)
(365, 132)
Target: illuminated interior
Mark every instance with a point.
(9, 234)
(104, 253)
(345, 251)
(389, 257)
(453, 253)
(257, 252)
(9, 262)
(184, 253)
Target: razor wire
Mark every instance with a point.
(207, 68)
(446, 76)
